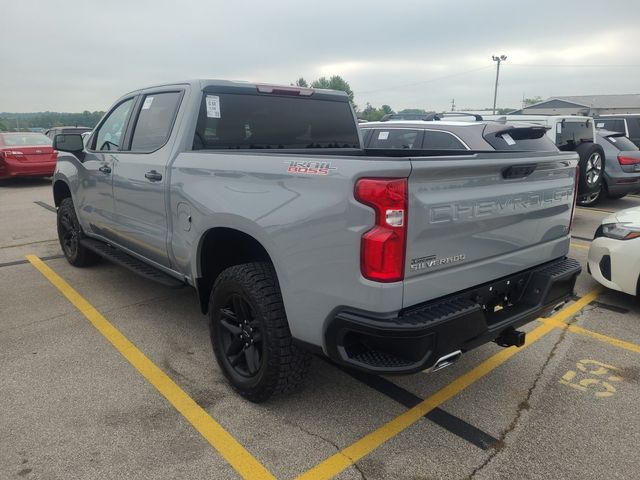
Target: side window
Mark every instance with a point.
(441, 141)
(610, 124)
(109, 135)
(155, 120)
(634, 127)
(395, 138)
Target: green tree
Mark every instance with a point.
(3, 127)
(419, 111)
(301, 82)
(387, 109)
(531, 101)
(373, 114)
(335, 82)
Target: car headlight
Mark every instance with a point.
(619, 231)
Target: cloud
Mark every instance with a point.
(77, 55)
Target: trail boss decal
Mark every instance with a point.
(310, 168)
(433, 261)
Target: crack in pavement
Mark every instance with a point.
(330, 442)
(524, 405)
(3, 247)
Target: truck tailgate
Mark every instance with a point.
(480, 217)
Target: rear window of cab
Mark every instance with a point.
(256, 121)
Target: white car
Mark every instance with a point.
(614, 256)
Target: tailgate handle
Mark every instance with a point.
(518, 171)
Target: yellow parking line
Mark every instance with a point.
(238, 457)
(577, 245)
(350, 455)
(598, 336)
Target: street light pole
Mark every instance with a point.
(499, 59)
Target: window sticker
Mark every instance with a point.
(147, 103)
(213, 106)
(558, 127)
(507, 138)
(600, 125)
(383, 136)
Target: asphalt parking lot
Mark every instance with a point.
(106, 375)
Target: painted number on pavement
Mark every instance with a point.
(592, 376)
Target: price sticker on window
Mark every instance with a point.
(213, 106)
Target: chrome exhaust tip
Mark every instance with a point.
(446, 361)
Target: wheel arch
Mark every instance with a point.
(61, 191)
(220, 248)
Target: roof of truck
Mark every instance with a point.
(201, 84)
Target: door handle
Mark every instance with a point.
(153, 176)
(105, 169)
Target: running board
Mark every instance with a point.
(137, 266)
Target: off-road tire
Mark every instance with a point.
(69, 235)
(283, 366)
(590, 155)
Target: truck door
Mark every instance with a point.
(94, 202)
(140, 177)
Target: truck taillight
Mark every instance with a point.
(624, 160)
(575, 196)
(383, 247)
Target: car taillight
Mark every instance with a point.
(575, 196)
(624, 160)
(383, 248)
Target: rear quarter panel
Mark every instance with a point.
(309, 224)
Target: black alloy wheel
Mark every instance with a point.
(250, 333)
(69, 233)
(240, 336)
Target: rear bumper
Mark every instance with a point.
(419, 335)
(10, 169)
(622, 183)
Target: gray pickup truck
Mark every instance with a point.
(300, 241)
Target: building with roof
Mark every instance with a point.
(591, 105)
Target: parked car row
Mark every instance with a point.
(30, 154)
(609, 162)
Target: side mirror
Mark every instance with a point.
(68, 142)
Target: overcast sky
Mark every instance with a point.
(64, 55)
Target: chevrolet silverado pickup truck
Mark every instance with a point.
(298, 240)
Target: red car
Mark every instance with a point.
(26, 154)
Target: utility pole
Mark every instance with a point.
(499, 59)
(453, 104)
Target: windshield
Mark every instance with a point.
(25, 139)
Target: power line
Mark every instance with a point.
(435, 79)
